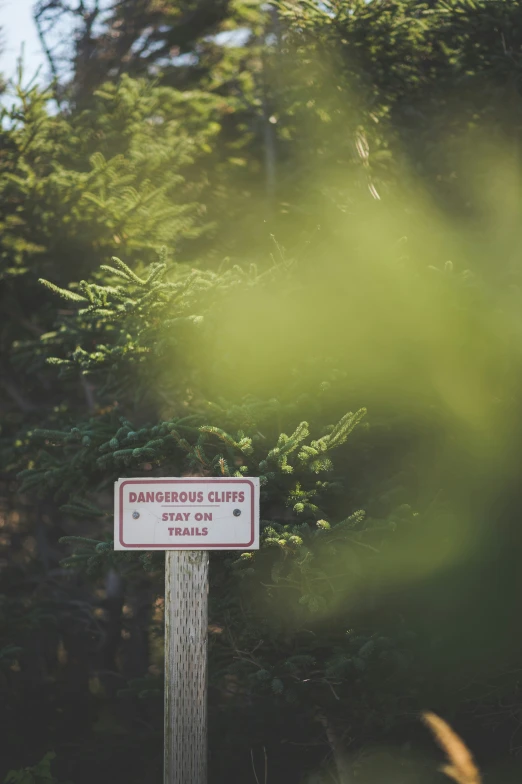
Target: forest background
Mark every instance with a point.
(276, 240)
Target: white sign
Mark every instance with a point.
(189, 513)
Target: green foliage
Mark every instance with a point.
(370, 384)
(120, 166)
(413, 81)
(37, 774)
(317, 554)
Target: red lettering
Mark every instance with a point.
(241, 497)
(132, 498)
(141, 498)
(179, 517)
(186, 532)
(186, 515)
(207, 516)
(200, 497)
(159, 497)
(183, 498)
(167, 498)
(205, 532)
(177, 531)
(171, 531)
(150, 498)
(165, 517)
(211, 497)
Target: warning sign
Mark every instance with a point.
(190, 513)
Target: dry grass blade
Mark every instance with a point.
(462, 766)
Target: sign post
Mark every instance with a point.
(186, 590)
(186, 517)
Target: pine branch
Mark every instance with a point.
(65, 293)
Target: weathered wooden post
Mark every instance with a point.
(186, 591)
(186, 518)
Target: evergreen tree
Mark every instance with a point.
(75, 185)
(315, 550)
(220, 48)
(304, 634)
(356, 611)
(429, 81)
(187, 40)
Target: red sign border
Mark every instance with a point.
(187, 480)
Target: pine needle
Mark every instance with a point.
(462, 768)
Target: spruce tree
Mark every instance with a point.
(74, 186)
(129, 337)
